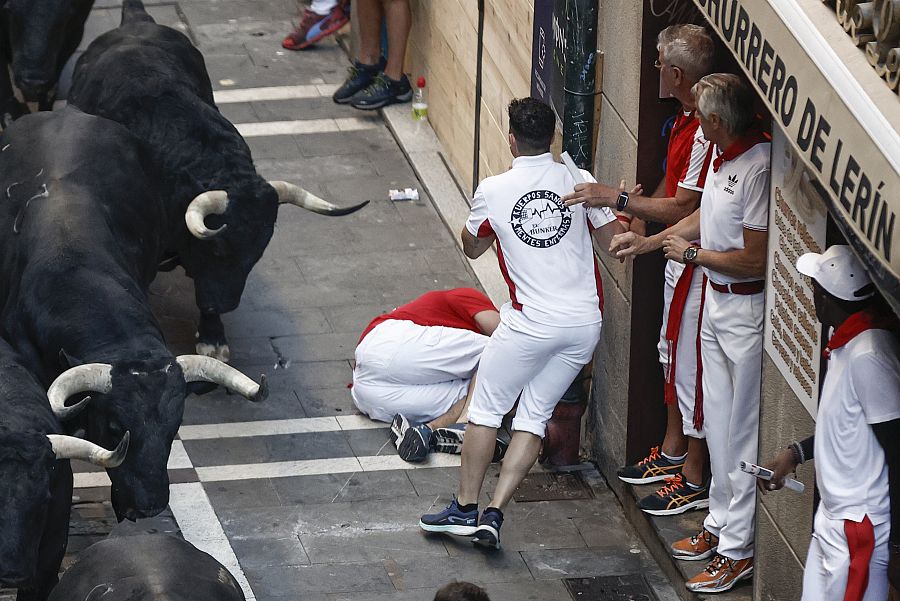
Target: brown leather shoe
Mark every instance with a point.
(721, 574)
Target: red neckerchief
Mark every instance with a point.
(858, 323)
(739, 147)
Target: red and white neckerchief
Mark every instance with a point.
(858, 323)
(739, 147)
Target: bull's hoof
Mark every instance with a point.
(216, 351)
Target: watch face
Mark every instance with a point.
(690, 253)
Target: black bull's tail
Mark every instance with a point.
(133, 10)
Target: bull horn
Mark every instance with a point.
(212, 202)
(81, 378)
(69, 447)
(289, 193)
(200, 368)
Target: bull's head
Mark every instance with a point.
(41, 32)
(242, 225)
(28, 462)
(146, 398)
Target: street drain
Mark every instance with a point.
(552, 487)
(627, 587)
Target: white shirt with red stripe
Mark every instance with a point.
(544, 248)
(862, 387)
(735, 197)
(688, 156)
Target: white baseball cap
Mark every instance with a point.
(838, 271)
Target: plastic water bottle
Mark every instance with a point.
(419, 106)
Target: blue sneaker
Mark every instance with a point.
(359, 76)
(487, 534)
(381, 92)
(451, 521)
(415, 444)
(450, 440)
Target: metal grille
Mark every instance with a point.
(627, 587)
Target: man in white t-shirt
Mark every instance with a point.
(732, 226)
(550, 327)
(857, 441)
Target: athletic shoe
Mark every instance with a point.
(415, 444)
(399, 426)
(675, 497)
(652, 468)
(451, 521)
(381, 92)
(359, 76)
(720, 575)
(488, 532)
(697, 547)
(313, 27)
(450, 440)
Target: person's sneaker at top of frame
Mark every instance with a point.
(451, 520)
(696, 547)
(488, 532)
(655, 467)
(415, 444)
(381, 92)
(720, 575)
(449, 439)
(313, 26)
(359, 76)
(676, 496)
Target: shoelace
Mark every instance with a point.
(719, 562)
(672, 484)
(378, 84)
(705, 535)
(653, 456)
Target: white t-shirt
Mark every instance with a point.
(734, 198)
(862, 387)
(543, 246)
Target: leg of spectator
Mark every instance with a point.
(695, 466)
(457, 413)
(476, 457)
(399, 21)
(523, 452)
(369, 16)
(675, 443)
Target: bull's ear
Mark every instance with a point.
(67, 361)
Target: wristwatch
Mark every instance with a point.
(622, 201)
(690, 254)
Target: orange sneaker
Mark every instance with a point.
(697, 547)
(720, 575)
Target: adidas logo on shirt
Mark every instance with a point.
(732, 182)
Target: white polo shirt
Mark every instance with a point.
(544, 247)
(734, 198)
(862, 387)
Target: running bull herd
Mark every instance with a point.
(138, 173)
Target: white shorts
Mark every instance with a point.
(686, 353)
(419, 371)
(828, 573)
(536, 360)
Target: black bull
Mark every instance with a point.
(81, 229)
(151, 79)
(146, 567)
(37, 37)
(35, 481)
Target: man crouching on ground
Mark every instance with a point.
(551, 325)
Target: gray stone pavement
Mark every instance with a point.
(314, 505)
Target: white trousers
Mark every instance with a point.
(731, 348)
(419, 371)
(536, 360)
(828, 563)
(686, 353)
(322, 7)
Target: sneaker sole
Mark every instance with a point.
(448, 440)
(647, 480)
(699, 588)
(448, 529)
(398, 428)
(486, 536)
(683, 556)
(395, 100)
(702, 504)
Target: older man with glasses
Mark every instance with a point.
(732, 226)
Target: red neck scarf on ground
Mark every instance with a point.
(739, 147)
(858, 323)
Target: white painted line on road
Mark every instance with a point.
(379, 463)
(261, 94)
(359, 422)
(90, 479)
(200, 526)
(178, 458)
(305, 126)
(274, 427)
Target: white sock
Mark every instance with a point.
(673, 458)
(322, 7)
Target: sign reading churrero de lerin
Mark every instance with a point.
(850, 147)
(797, 221)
